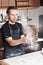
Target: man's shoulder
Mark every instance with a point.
(4, 25)
(18, 23)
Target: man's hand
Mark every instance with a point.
(23, 39)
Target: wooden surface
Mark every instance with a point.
(20, 3)
(6, 3)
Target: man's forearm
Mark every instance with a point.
(15, 42)
(12, 42)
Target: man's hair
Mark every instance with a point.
(9, 8)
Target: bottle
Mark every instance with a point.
(2, 16)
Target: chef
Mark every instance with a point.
(12, 35)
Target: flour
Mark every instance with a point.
(30, 39)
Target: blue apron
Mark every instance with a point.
(12, 51)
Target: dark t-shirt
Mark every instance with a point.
(5, 31)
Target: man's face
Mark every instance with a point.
(12, 16)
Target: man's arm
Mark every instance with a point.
(16, 42)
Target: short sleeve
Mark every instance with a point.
(5, 31)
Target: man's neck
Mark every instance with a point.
(11, 22)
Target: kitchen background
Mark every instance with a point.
(31, 13)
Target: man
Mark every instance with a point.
(12, 35)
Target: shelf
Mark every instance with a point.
(27, 4)
(22, 4)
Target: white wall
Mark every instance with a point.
(32, 13)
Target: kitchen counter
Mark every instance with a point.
(34, 58)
